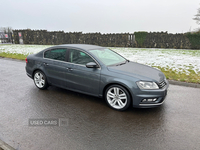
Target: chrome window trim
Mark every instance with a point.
(70, 62)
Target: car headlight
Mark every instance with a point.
(145, 85)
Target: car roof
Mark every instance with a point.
(85, 47)
(82, 46)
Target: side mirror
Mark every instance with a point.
(92, 65)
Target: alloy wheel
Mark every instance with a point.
(117, 98)
(40, 80)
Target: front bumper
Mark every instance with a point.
(159, 95)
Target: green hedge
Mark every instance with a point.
(194, 39)
(44, 37)
(140, 38)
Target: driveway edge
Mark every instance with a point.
(5, 146)
(195, 85)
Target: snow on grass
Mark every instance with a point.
(22, 49)
(177, 60)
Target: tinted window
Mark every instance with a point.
(79, 57)
(57, 54)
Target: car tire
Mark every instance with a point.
(117, 97)
(40, 80)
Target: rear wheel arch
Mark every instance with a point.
(37, 70)
(46, 84)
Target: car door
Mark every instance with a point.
(55, 66)
(80, 77)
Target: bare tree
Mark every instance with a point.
(197, 16)
(7, 34)
(6, 29)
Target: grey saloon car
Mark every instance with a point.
(100, 72)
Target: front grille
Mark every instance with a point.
(162, 84)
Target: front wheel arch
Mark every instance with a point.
(105, 88)
(123, 87)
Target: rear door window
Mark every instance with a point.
(56, 54)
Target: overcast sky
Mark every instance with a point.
(105, 16)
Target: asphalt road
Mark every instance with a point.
(91, 124)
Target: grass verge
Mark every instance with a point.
(170, 74)
(191, 77)
(13, 55)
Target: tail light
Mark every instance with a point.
(26, 60)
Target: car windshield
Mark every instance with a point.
(108, 57)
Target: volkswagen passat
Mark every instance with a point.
(100, 72)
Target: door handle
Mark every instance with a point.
(45, 64)
(70, 69)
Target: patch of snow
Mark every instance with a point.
(177, 60)
(22, 49)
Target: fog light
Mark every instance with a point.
(144, 100)
(149, 100)
(154, 99)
